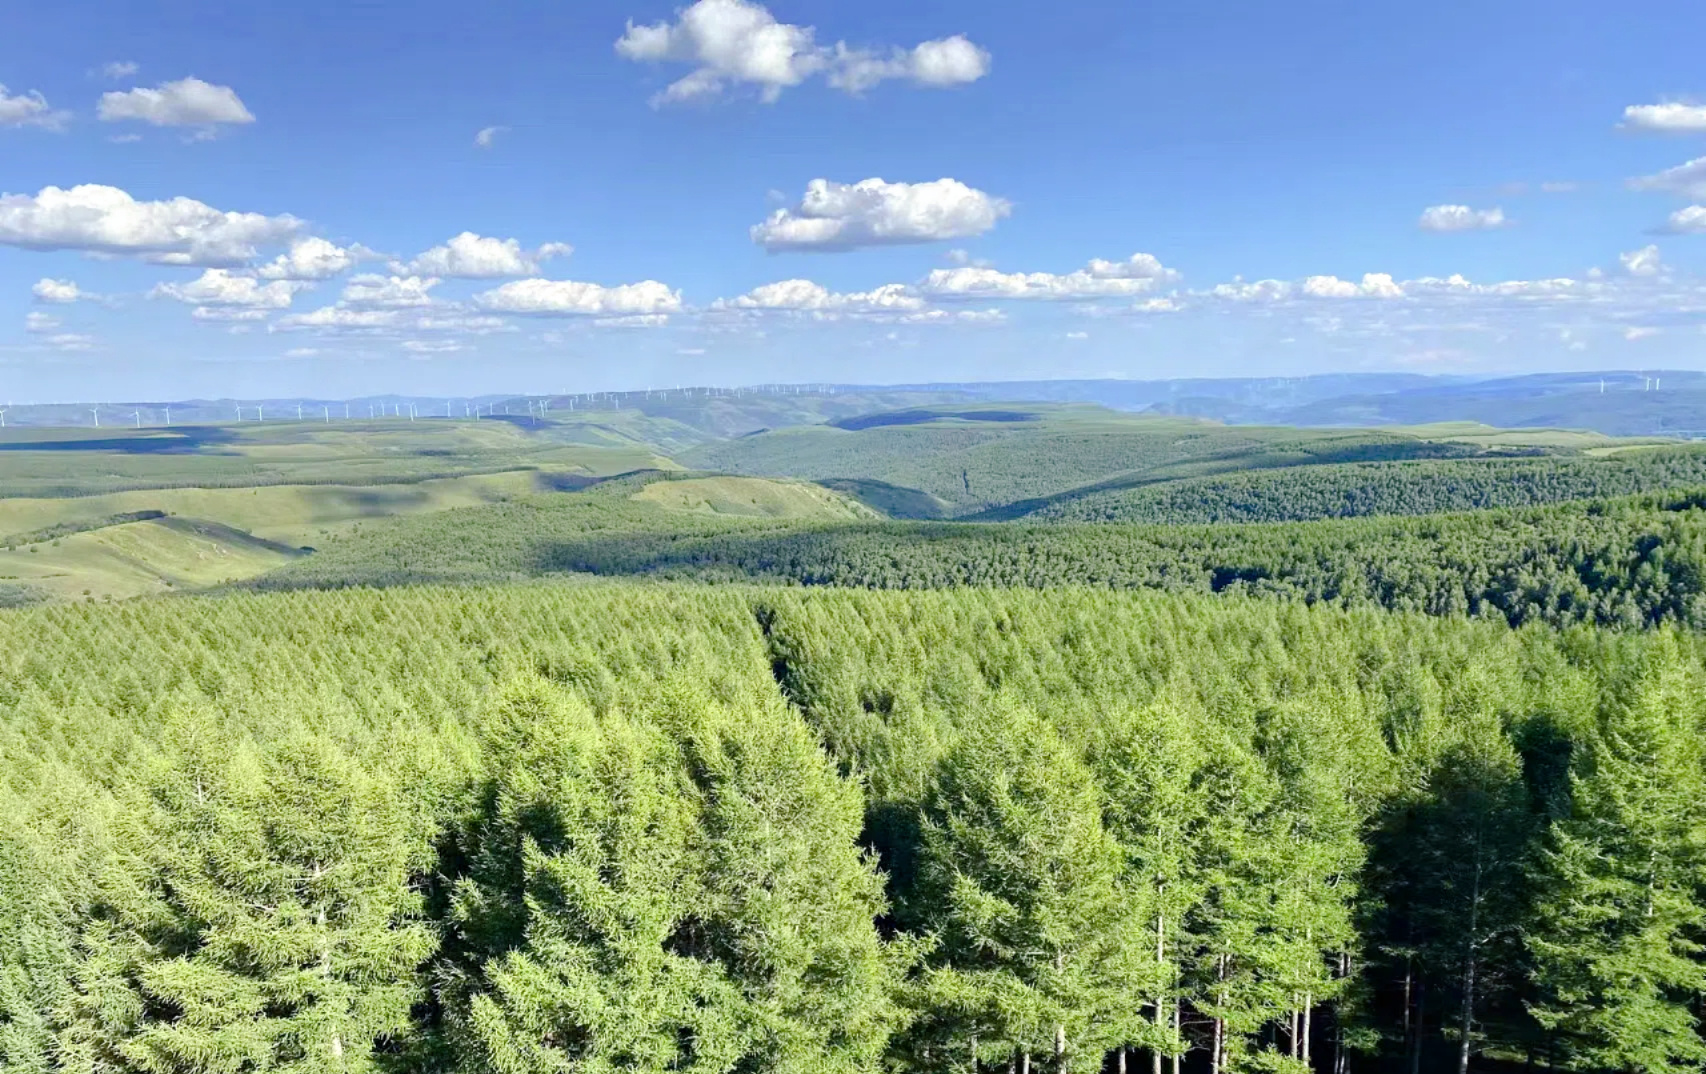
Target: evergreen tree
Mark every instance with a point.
(1026, 896)
(273, 927)
(1615, 940)
(1147, 763)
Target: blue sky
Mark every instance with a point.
(811, 191)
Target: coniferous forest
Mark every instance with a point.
(625, 827)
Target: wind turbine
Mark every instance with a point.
(328, 411)
(260, 413)
(2, 419)
(298, 411)
(95, 410)
(168, 417)
(138, 419)
(346, 411)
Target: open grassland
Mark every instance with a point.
(292, 514)
(140, 558)
(753, 497)
(79, 462)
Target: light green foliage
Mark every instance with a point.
(1617, 936)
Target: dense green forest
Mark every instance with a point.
(1630, 562)
(1299, 494)
(544, 828)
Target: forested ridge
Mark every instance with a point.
(538, 827)
(1630, 562)
(1354, 490)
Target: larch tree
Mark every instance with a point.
(1615, 938)
(1026, 899)
(278, 927)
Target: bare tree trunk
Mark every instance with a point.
(1160, 961)
(1178, 1019)
(1468, 1020)
(1060, 1061)
(1024, 1063)
(1218, 1052)
(1416, 1037)
(1308, 1026)
(1119, 1061)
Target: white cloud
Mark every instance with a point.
(106, 220)
(302, 352)
(1157, 305)
(432, 346)
(339, 317)
(1635, 332)
(952, 61)
(219, 287)
(486, 137)
(40, 322)
(989, 316)
(1099, 279)
(573, 298)
(29, 110)
(372, 291)
(71, 341)
(188, 102)
(843, 216)
(1689, 221)
(1461, 218)
(313, 258)
(1670, 118)
(1560, 186)
(633, 320)
(473, 257)
(1687, 180)
(1077, 335)
(1373, 285)
(120, 69)
(804, 296)
(58, 291)
(736, 42)
(1643, 262)
(225, 314)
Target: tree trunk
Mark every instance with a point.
(1218, 1051)
(1416, 1037)
(1469, 956)
(1160, 961)
(1179, 1052)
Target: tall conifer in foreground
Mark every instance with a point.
(1025, 897)
(1616, 939)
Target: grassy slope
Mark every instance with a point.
(140, 558)
(753, 497)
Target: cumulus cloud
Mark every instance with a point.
(1635, 332)
(228, 314)
(734, 42)
(57, 291)
(1099, 279)
(188, 102)
(372, 291)
(1373, 285)
(1643, 262)
(106, 220)
(340, 317)
(120, 69)
(632, 320)
(40, 322)
(571, 298)
(846, 216)
(486, 137)
(29, 110)
(432, 346)
(1670, 118)
(805, 296)
(221, 288)
(71, 341)
(1689, 221)
(1461, 218)
(474, 257)
(1687, 180)
(952, 61)
(313, 258)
